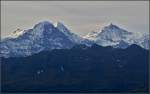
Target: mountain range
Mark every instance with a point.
(44, 36)
(52, 59)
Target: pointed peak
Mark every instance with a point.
(111, 25)
(112, 28)
(43, 23)
(60, 24)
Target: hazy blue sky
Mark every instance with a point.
(80, 16)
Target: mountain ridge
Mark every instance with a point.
(112, 35)
(45, 36)
(79, 69)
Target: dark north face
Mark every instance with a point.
(80, 69)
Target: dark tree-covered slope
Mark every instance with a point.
(80, 69)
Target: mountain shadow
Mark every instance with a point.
(80, 69)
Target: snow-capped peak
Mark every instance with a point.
(60, 24)
(43, 23)
(73, 37)
(109, 35)
(46, 36)
(43, 36)
(110, 32)
(112, 35)
(62, 27)
(112, 27)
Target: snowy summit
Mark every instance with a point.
(45, 36)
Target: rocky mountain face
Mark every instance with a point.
(112, 35)
(45, 36)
